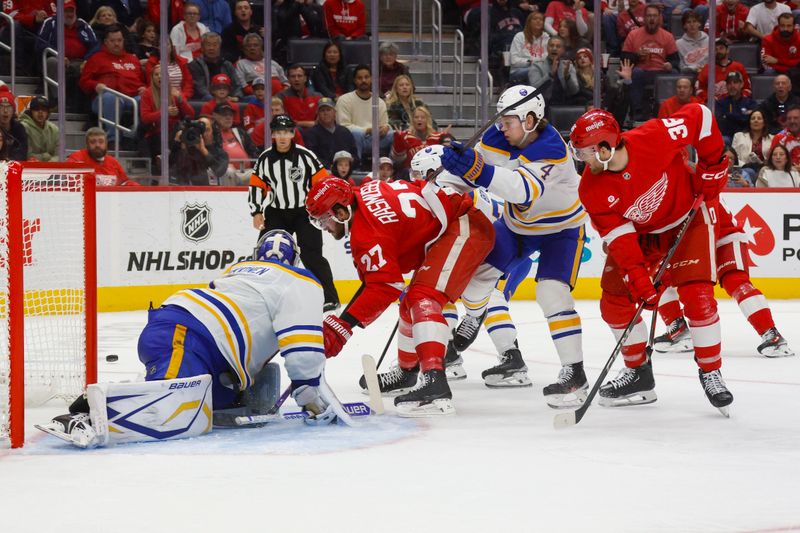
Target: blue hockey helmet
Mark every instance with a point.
(277, 245)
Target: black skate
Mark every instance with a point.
(774, 345)
(511, 372)
(677, 339)
(716, 391)
(467, 330)
(570, 390)
(632, 386)
(432, 397)
(454, 364)
(396, 381)
(74, 428)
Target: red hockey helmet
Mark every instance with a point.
(592, 128)
(326, 194)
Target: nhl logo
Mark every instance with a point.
(295, 174)
(196, 224)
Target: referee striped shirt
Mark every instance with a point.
(282, 180)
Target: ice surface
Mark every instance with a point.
(498, 465)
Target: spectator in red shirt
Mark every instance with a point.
(790, 136)
(557, 10)
(254, 112)
(299, 101)
(630, 19)
(237, 144)
(275, 109)
(724, 65)
(179, 76)
(150, 113)
(112, 68)
(653, 51)
(345, 19)
(780, 50)
(408, 142)
(732, 20)
(683, 96)
(107, 169)
(220, 91)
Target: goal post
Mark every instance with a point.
(48, 288)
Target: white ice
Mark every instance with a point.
(497, 465)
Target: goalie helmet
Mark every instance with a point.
(277, 245)
(513, 95)
(429, 159)
(323, 196)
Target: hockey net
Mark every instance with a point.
(48, 288)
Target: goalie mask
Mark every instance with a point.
(277, 245)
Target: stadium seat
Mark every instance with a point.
(305, 51)
(761, 86)
(563, 117)
(665, 86)
(356, 52)
(745, 53)
(675, 26)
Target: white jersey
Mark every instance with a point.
(538, 183)
(258, 308)
(488, 204)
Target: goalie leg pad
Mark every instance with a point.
(152, 410)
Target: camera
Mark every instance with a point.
(192, 132)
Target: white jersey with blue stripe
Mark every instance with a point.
(258, 308)
(488, 204)
(539, 183)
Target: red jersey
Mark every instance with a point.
(720, 74)
(122, 73)
(671, 105)
(731, 25)
(561, 11)
(253, 114)
(393, 224)
(654, 191)
(24, 11)
(107, 172)
(787, 52)
(791, 142)
(345, 19)
(659, 46)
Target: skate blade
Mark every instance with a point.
(571, 400)
(516, 380)
(726, 411)
(391, 394)
(783, 351)
(441, 407)
(66, 437)
(455, 373)
(678, 347)
(637, 398)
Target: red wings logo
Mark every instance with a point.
(760, 238)
(643, 208)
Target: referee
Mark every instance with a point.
(281, 178)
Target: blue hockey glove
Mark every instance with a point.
(516, 276)
(468, 164)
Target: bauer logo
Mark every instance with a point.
(196, 222)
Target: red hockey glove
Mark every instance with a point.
(711, 179)
(642, 288)
(336, 333)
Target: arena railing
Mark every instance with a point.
(479, 92)
(436, 44)
(458, 74)
(48, 81)
(11, 49)
(116, 122)
(416, 27)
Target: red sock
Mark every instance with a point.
(751, 301)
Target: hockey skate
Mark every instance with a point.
(467, 331)
(677, 339)
(511, 372)
(74, 428)
(774, 345)
(454, 364)
(570, 389)
(431, 398)
(716, 391)
(396, 381)
(632, 386)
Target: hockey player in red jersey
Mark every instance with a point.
(732, 271)
(396, 228)
(638, 190)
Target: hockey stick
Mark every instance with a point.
(479, 134)
(562, 420)
(388, 343)
(371, 379)
(353, 409)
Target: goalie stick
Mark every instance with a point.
(571, 418)
(352, 409)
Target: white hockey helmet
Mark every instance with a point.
(427, 159)
(515, 94)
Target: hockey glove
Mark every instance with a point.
(308, 397)
(336, 332)
(642, 288)
(709, 180)
(468, 164)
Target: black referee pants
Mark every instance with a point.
(309, 239)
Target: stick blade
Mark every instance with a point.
(371, 377)
(565, 420)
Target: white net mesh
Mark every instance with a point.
(54, 278)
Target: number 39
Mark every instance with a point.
(676, 128)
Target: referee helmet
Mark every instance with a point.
(282, 122)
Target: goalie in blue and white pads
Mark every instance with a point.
(216, 343)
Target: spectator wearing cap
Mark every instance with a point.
(251, 66)
(237, 144)
(150, 113)
(693, 44)
(390, 67)
(733, 110)
(775, 106)
(107, 170)
(342, 167)
(42, 134)
(254, 112)
(780, 50)
(386, 169)
(299, 101)
(16, 138)
(178, 69)
(763, 17)
(345, 19)
(281, 178)
(354, 110)
(256, 130)
(683, 95)
(215, 14)
(79, 42)
(209, 64)
(732, 21)
(220, 91)
(233, 35)
(113, 68)
(330, 76)
(723, 65)
(186, 35)
(326, 137)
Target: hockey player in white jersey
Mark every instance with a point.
(216, 343)
(524, 161)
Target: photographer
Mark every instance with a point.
(196, 154)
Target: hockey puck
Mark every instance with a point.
(112, 358)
